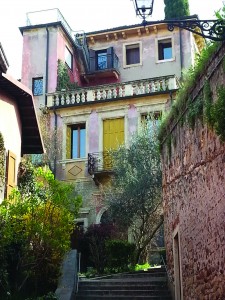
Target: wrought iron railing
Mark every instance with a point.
(100, 162)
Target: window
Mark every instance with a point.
(76, 141)
(151, 120)
(68, 58)
(101, 60)
(165, 49)
(37, 86)
(132, 54)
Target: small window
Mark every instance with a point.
(76, 141)
(101, 60)
(151, 120)
(37, 86)
(132, 54)
(68, 58)
(165, 49)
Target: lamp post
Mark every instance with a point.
(210, 29)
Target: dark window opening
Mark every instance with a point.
(68, 58)
(132, 54)
(101, 60)
(165, 49)
(37, 86)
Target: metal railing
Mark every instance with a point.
(99, 162)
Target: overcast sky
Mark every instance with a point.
(87, 15)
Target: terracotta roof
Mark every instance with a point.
(31, 138)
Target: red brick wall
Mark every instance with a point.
(194, 204)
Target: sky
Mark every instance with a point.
(87, 15)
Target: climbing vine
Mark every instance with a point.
(63, 78)
(185, 109)
(2, 160)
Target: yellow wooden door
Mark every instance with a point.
(11, 173)
(113, 137)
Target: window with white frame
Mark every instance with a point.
(132, 54)
(68, 58)
(76, 141)
(165, 49)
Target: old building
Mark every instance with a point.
(117, 76)
(18, 126)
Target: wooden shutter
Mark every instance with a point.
(11, 173)
(68, 142)
(92, 60)
(113, 133)
(110, 58)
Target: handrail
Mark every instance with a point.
(78, 271)
(167, 272)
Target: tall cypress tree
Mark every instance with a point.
(176, 9)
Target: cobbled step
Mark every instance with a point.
(150, 285)
(124, 297)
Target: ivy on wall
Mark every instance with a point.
(187, 111)
(2, 161)
(63, 78)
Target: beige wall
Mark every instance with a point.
(10, 127)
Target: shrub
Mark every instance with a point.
(119, 254)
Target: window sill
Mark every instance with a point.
(165, 60)
(133, 65)
(71, 160)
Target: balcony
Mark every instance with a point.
(112, 92)
(99, 162)
(102, 64)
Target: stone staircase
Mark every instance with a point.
(151, 284)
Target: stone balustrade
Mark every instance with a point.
(112, 91)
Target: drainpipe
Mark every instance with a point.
(181, 53)
(46, 66)
(55, 141)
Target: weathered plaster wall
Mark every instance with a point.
(150, 67)
(194, 204)
(10, 127)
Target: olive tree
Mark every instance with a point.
(135, 193)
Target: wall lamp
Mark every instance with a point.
(209, 29)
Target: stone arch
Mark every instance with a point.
(100, 213)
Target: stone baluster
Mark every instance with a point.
(83, 97)
(62, 99)
(164, 84)
(147, 87)
(57, 100)
(120, 91)
(109, 94)
(104, 94)
(73, 98)
(98, 95)
(114, 92)
(67, 99)
(77, 98)
(142, 89)
(153, 89)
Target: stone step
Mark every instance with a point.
(123, 297)
(122, 286)
(110, 292)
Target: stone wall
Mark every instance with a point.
(194, 202)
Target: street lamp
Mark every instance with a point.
(143, 8)
(210, 29)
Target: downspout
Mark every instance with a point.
(55, 141)
(46, 66)
(181, 53)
